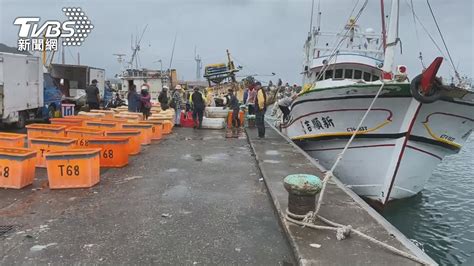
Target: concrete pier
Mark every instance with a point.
(193, 198)
(278, 157)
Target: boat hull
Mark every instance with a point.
(399, 145)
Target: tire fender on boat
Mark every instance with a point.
(415, 89)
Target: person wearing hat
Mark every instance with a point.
(163, 98)
(92, 95)
(176, 102)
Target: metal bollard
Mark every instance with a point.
(302, 190)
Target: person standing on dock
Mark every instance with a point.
(176, 102)
(251, 99)
(198, 105)
(93, 96)
(234, 105)
(145, 99)
(133, 99)
(261, 108)
(163, 98)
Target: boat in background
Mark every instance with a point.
(410, 129)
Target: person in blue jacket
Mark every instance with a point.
(133, 99)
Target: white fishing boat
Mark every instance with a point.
(411, 127)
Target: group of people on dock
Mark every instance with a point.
(254, 99)
(139, 102)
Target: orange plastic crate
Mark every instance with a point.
(17, 167)
(167, 124)
(43, 145)
(107, 113)
(75, 168)
(130, 118)
(12, 140)
(81, 117)
(114, 150)
(146, 131)
(139, 115)
(68, 122)
(134, 144)
(82, 134)
(118, 121)
(43, 130)
(102, 125)
(167, 127)
(241, 117)
(156, 130)
(91, 115)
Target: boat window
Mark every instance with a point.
(367, 76)
(328, 74)
(375, 78)
(357, 74)
(348, 74)
(338, 73)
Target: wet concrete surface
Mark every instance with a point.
(277, 158)
(194, 198)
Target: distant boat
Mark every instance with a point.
(411, 128)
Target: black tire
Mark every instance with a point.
(22, 117)
(415, 89)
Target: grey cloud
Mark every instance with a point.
(264, 36)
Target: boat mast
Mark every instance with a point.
(311, 22)
(392, 38)
(384, 29)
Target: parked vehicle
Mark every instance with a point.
(21, 88)
(74, 79)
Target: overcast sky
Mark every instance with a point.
(264, 36)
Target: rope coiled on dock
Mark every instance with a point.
(344, 231)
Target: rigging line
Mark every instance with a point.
(426, 31)
(350, 16)
(241, 63)
(417, 33)
(353, 9)
(444, 42)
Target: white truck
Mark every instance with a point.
(78, 77)
(21, 88)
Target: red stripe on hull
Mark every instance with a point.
(426, 152)
(400, 156)
(355, 147)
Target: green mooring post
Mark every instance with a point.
(302, 190)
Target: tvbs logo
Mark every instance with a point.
(34, 36)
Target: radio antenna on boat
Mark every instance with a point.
(136, 48)
(172, 50)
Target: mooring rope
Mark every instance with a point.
(344, 231)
